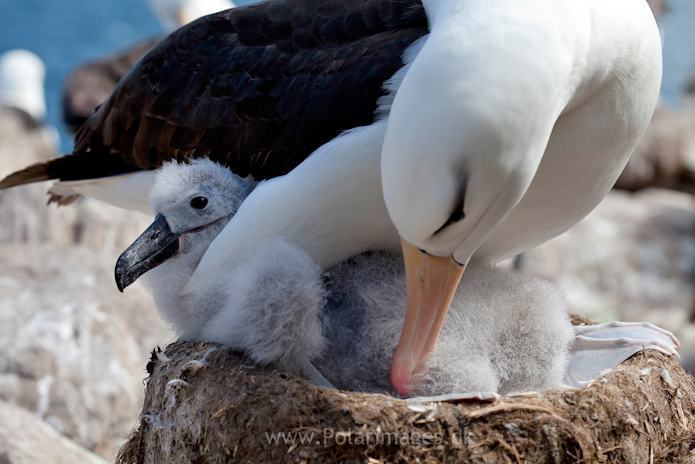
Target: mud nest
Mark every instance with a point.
(208, 404)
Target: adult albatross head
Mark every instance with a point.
(503, 135)
(444, 206)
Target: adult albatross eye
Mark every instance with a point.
(199, 202)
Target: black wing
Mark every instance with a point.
(257, 88)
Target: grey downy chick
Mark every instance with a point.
(274, 320)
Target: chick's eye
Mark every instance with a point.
(199, 202)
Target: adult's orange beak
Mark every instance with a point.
(431, 282)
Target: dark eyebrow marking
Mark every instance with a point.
(458, 213)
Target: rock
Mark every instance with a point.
(72, 348)
(26, 439)
(631, 259)
(660, 157)
(205, 403)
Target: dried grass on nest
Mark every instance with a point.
(207, 404)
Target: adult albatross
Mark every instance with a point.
(508, 123)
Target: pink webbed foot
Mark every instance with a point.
(598, 348)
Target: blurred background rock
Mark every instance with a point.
(73, 350)
(26, 439)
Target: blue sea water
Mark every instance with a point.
(65, 33)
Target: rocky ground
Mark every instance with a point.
(26, 439)
(72, 348)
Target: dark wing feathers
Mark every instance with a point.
(69, 167)
(34, 173)
(257, 88)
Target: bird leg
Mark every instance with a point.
(598, 348)
(309, 373)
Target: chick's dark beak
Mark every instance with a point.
(157, 244)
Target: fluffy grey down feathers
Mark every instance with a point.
(504, 332)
